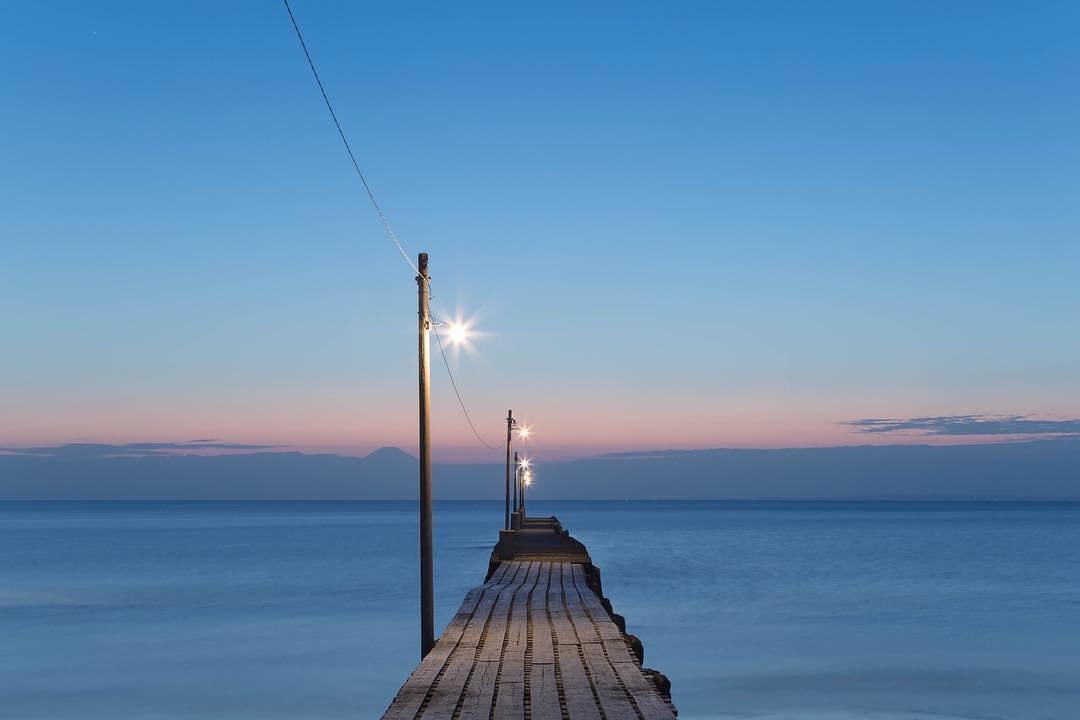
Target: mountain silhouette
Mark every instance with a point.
(1044, 469)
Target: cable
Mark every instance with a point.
(378, 210)
(453, 383)
(345, 141)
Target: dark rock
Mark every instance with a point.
(634, 643)
(592, 579)
(660, 680)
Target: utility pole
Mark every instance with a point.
(521, 492)
(517, 485)
(427, 563)
(509, 430)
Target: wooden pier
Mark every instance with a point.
(536, 641)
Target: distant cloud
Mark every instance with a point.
(91, 451)
(1015, 425)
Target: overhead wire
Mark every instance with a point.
(382, 217)
(453, 384)
(345, 141)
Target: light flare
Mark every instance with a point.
(458, 333)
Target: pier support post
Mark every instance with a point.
(427, 563)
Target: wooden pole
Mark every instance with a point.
(509, 430)
(517, 485)
(427, 563)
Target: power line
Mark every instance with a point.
(453, 383)
(345, 141)
(382, 217)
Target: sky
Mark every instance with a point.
(676, 225)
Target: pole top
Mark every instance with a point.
(422, 263)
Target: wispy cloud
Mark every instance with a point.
(90, 451)
(968, 425)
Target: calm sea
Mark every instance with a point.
(815, 611)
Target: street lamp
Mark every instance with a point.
(510, 424)
(526, 481)
(523, 432)
(458, 333)
(427, 561)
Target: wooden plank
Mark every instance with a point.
(490, 602)
(605, 625)
(538, 598)
(564, 629)
(510, 700)
(496, 628)
(448, 688)
(644, 693)
(497, 576)
(513, 667)
(543, 650)
(517, 628)
(543, 693)
(457, 624)
(577, 692)
(608, 632)
(412, 694)
(479, 692)
(575, 609)
(421, 682)
(510, 703)
(608, 689)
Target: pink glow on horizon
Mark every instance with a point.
(566, 424)
(456, 448)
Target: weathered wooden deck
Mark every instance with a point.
(534, 641)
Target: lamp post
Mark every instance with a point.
(427, 564)
(517, 489)
(524, 473)
(459, 333)
(510, 424)
(526, 481)
(523, 434)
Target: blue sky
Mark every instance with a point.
(681, 225)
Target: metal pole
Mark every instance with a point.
(509, 429)
(427, 564)
(517, 471)
(521, 488)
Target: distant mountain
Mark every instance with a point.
(1045, 469)
(1042, 469)
(391, 455)
(387, 473)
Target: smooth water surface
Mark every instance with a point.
(816, 611)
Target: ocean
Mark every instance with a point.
(773, 611)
